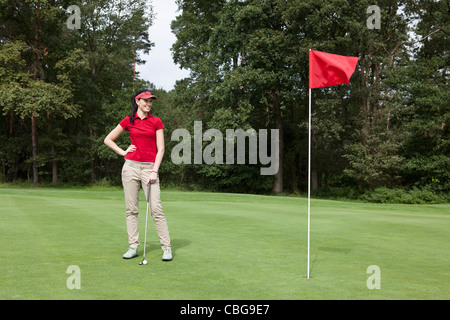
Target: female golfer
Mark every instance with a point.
(142, 160)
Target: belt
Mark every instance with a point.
(132, 162)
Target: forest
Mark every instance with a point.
(64, 87)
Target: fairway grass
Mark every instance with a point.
(225, 246)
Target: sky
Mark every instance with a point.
(159, 67)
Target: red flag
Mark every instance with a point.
(327, 69)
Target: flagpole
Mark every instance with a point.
(309, 178)
(323, 72)
(309, 165)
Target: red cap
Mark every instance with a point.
(145, 95)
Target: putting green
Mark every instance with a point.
(225, 246)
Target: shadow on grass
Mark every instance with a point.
(175, 243)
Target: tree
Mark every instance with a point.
(241, 60)
(35, 95)
(110, 35)
(13, 74)
(421, 100)
(69, 73)
(349, 122)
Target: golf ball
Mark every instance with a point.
(144, 262)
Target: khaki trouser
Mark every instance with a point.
(134, 176)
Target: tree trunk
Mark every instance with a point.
(93, 174)
(11, 123)
(54, 167)
(33, 118)
(134, 67)
(278, 183)
(34, 149)
(314, 179)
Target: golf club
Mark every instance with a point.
(146, 220)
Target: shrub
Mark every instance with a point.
(413, 196)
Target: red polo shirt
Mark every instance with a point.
(143, 136)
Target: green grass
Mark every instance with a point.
(225, 246)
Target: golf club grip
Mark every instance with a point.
(148, 193)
